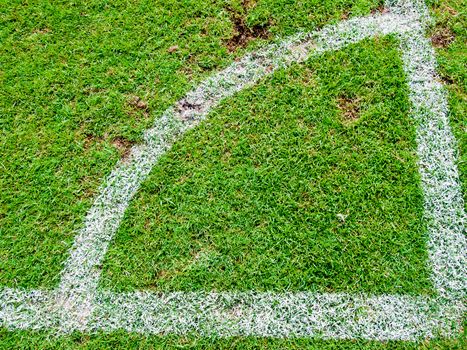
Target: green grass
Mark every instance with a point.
(123, 340)
(68, 74)
(253, 198)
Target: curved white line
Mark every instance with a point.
(81, 273)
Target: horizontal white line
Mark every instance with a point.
(334, 315)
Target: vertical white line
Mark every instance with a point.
(436, 150)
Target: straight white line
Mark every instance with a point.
(437, 153)
(28, 309)
(436, 147)
(336, 315)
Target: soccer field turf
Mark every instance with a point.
(305, 182)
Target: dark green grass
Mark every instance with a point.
(123, 340)
(68, 72)
(279, 190)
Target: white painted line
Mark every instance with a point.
(336, 315)
(444, 205)
(341, 316)
(36, 309)
(77, 305)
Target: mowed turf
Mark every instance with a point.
(307, 181)
(69, 73)
(71, 76)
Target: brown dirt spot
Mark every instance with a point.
(90, 140)
(161, 274)
(140, 107)
(380, 9)
(172, 48)
(42, 31)
(450, 10)
(123, 145)
(242, 33)
(137, 102)
(442, 37)
(350, 108)
(447, 80)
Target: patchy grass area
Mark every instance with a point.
(278, 175)
(79, 81)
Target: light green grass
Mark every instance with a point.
(67, 74)
(279, 191)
